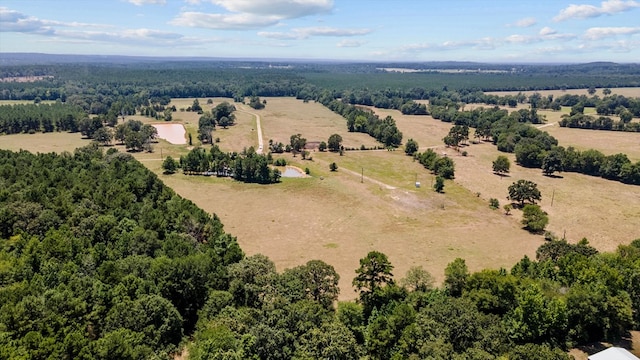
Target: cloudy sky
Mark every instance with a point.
(372, 30)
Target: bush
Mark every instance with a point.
(494, 203)
(534, 219)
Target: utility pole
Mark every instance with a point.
(553, 195)
(362, 176)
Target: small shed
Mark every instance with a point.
(613, 353)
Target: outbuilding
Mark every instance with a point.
(613, 353)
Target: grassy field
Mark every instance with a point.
(371, 202)
(283, 117)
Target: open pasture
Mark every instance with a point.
(371, 202)
(285, 116)
(338, 218)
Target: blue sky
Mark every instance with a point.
(371, 30)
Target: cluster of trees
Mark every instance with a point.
(31, 118)
(537, 149)
(583, 121)
(362, 120)
(256, 103)
(440, 165)
(100, 260)
(570, 295)
(221, 115)
(247, 166)
(135, 135)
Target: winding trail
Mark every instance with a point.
(258, 127)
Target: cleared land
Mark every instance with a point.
(335, 217)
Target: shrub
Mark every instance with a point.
(494, 203)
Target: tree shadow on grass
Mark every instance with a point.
(553, 176)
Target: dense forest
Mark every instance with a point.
(100, 260)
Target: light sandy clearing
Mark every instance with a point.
(173, 133)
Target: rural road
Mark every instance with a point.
(258, 127)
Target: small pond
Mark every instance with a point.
(291, 172)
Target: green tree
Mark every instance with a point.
(255, 103)
(411, 147)
(334, 142)
(533, 218)
(297, 143)
(169, 165)
(524, 190)
(103, 136)
(501, 165)
(319, 281)
(456, 274)
(333, 166)
(322, 146)
(331, 340)
(445, 167)
(552, 162)
(438, 186)
(196, 106)
(374, 272)
(417, 279)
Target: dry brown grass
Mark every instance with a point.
(283, 117)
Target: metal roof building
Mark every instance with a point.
(613, 353)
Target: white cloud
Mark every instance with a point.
(13, 21)
(145, 2)
(224, 21)
(520, 39)
(525, 22)
(608, 7)
(547, 31)
(286, 9)
(597, 33)
(350, 43)
(252, 14)
(304, 33)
